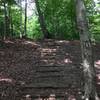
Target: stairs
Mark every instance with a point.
(48, 69)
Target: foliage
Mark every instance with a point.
(33, 29)
(59, 16)
(93, 12)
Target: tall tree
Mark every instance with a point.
(20, 2)
(5, 19)
(11, 21)
(25, 22)
(42, 20)
(87, 56)
(8, 19)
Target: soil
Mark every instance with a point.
(43, 67)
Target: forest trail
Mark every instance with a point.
(49, 64)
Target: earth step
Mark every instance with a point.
(49, 68)
(53, 80)
(44, 96)
(48, 50)
(48, 53)
(41, 86)
(48, 60)
(52, 45)
(51, 85)
(50, 79)
(56, 80)
(66, 68)
(48, 57)
(45, 92)
(57, 76)
(50, 65)
(50, 74)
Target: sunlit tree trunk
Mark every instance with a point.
(87, 56)
(5, 23)
(1, 25)
(41, 20)
(9, 15)
(20, 19)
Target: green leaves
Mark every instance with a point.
(60, 19)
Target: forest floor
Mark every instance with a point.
(46, 64)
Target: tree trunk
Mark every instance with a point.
(25, 22)
(5, 16)
(11, 24)
(21, 19)
(87, 56)
(9, 20)
(42, 21)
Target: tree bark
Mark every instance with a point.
(9, 20)
(5, 17)
(41, 20)
(21, 33)
(25, 21)
(11, 24)
(87, 56)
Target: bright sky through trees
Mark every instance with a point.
(31, 6)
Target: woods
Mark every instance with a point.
(42, 20)
(65, 22)
(58, 18)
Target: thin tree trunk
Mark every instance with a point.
(41, 20)
(9, 10)
(20, 19)
(87, 56)
(11, 24)
(5, 15)
(9, 21)
(25, 24)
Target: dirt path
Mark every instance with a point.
(49, 63)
